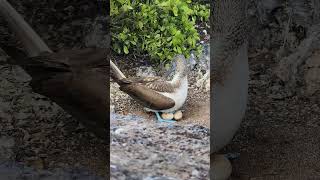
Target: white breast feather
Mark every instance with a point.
(179, 96)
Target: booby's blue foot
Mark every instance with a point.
(162, 120)
(232, 156)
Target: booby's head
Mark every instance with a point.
(180, 66)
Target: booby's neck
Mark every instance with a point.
(178, 78)
(181, 71)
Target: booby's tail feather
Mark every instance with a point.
(31, 41)
(116, 74)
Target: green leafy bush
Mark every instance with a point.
(160, 28)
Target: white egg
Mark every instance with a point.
(167, 116)
(177, 115)
(221, 167)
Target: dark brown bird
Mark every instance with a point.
(77, 80)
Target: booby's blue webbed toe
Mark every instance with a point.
(232, 156)
(159, 118)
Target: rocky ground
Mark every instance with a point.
(143, 149)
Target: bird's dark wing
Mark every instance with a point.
(148, 97)
(80, 89)
(154, 83)
(83, 95)
(48, 65)
(87, 58)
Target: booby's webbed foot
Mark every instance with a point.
(163, 120)
(232, 156)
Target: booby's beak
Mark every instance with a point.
(170, 69)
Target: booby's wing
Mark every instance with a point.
(48, 65)
(158, 84)
(79, 58)
(154, 83)
(148, 97)
(146, 90)
(77, 88)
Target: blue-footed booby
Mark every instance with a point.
(156, 94)
(74, 79)
(230, 76)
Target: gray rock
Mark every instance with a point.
(146, 71)
(142, 149)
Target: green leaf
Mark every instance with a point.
(122, 36)
(179, 50)
(164, 4)
(140, 25)
(126, 7)
(121, 1)
(175, 11)
(125, 49)
(173, 30)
